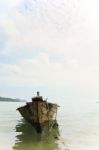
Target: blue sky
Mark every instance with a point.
(51, 46)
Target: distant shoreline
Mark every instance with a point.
(13, 101)
(3, 99)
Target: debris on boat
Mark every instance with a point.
(40, 113)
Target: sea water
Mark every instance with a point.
(78, 129)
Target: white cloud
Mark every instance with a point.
(40, 71)
(66, 28)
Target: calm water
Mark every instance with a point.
(78, 125)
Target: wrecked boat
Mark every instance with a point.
(40, 113)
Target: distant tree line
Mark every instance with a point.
(11, 99)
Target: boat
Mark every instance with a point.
(40, 113)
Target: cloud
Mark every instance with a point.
(42, 72)
(34, 71)
(35, 30)
(51, 43)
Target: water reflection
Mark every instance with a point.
(28, 139)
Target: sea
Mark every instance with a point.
(78, 129)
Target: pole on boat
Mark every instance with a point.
(38, 93)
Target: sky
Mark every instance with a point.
(50, 46)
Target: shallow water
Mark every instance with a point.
(78, 126)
